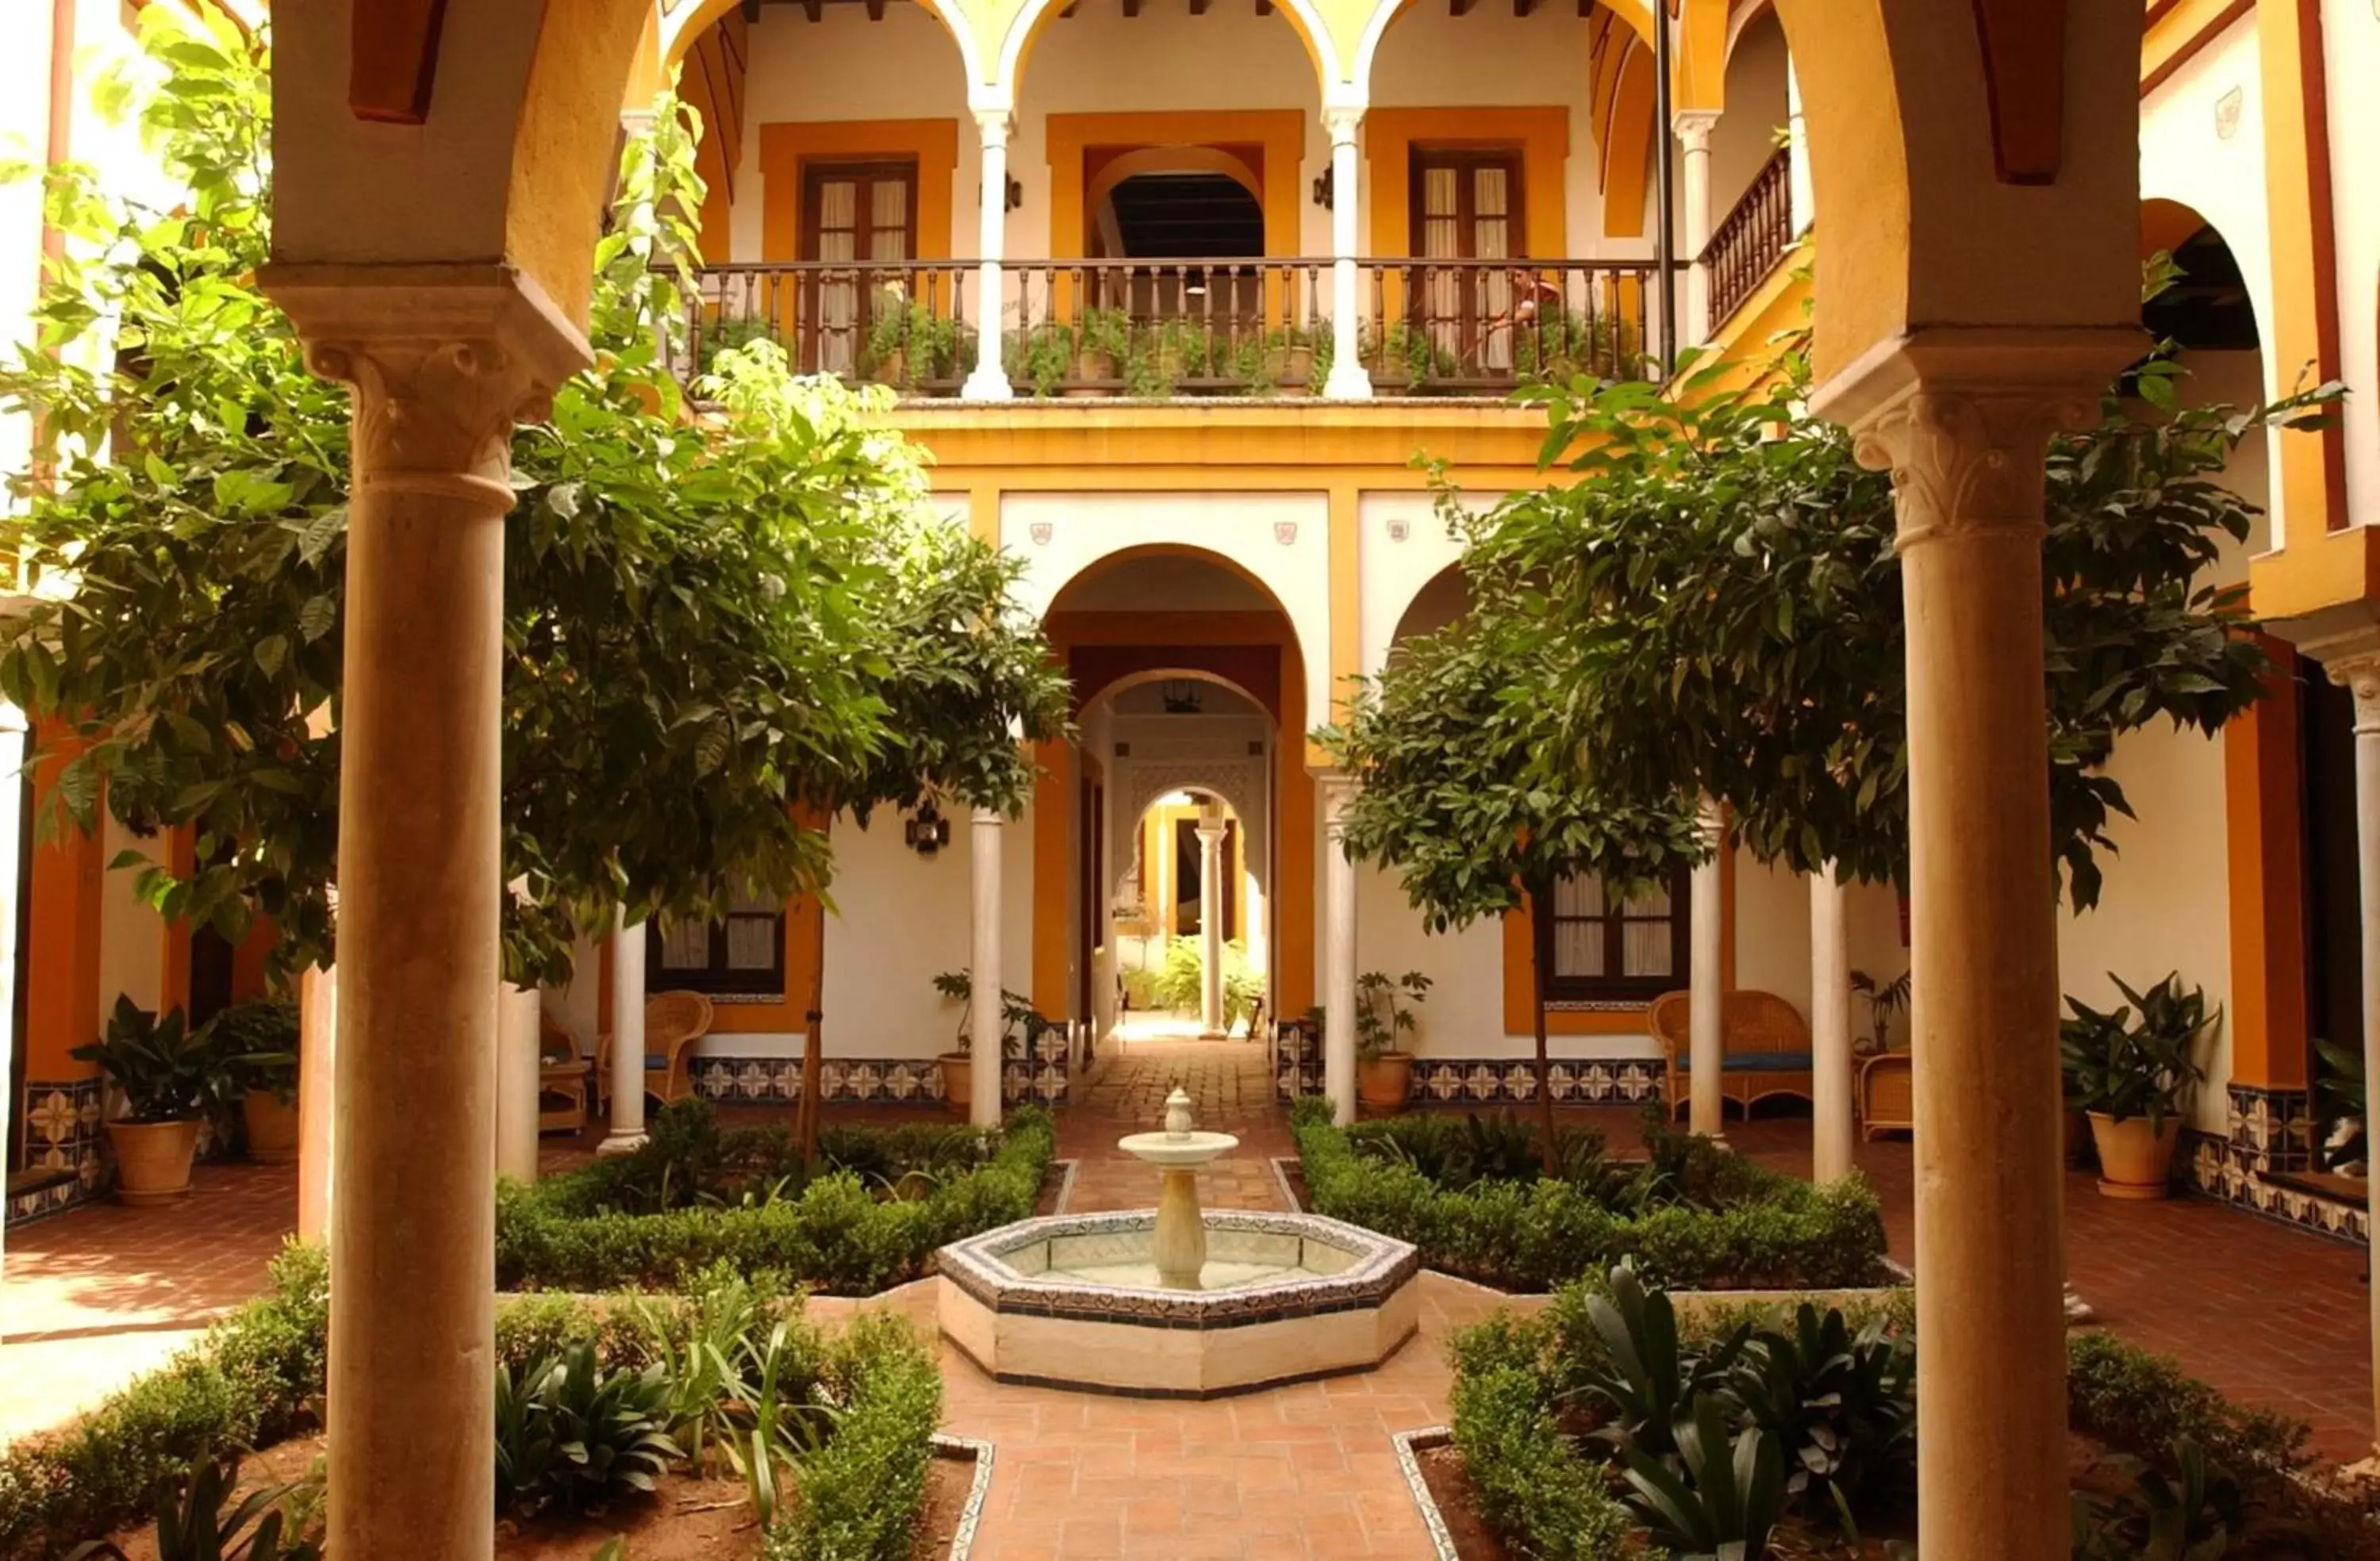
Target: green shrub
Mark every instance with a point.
(253, 1379)
(836, 1234)
(861, 1494)
(2141, 1403)
(1529, 1483)
(1737, 1224)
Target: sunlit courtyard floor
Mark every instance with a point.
(2271, 1315)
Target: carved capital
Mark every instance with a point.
(1343, 124)
(1967, 461)
(2359, 674)
(443, 360)
(1693, 128)
(994, 126)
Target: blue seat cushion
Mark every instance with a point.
(655, 1063)
(1756, 1062)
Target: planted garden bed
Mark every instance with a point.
(718, 1419)
(885, 1199)
(1472, 1194)
(1612, 1425)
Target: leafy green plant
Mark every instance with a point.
(569, 1432)
(722, 336)
(2342, 1090)
(1409, 353)
(1266, 361)
(909, 343)
(167, 1072)
(193, 1525)
(2124, 1066)
(1884, 1000)
(778, 1424)
(1842, 1406)
(257, 1040)
(1718, 1494)
(1645, 1386)
(2142, 1403)
(1558, 343)
(1385, 1010)
(1179, 982)
(2196, 1512)
(1021, 1023)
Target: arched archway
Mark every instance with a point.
(1035, 16)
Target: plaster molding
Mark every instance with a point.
(2357, 672)
(995, 125)
(1693, 128)
(1139, 781)
(1344, 122)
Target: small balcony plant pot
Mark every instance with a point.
(272, 1124)
(891, 369)
(1290, 369)
(1089, 376)
(153, 1160)
(958, 1081)
(1382, 1082)
(2135, 1162)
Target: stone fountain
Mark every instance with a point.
(1179, 1301)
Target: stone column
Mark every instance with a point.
(1210, 927)
(627, 1081)
(1339, 960)
(1348, 382)
(984, 1026)
(13, 743)
(517, 1081)
(1693, 126)
(1706, 1013)
(1800, 195)
(989, 379)
(442, 360)
(1831, 1133)
(1963, 418)
(2353, 661)
(318, 1054)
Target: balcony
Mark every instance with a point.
(1158, 329)
(1751, 238)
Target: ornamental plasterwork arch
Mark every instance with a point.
(1241, 782)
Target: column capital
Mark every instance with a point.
(989, 818)
(1344, 122)
(1693, 126)
(994, 125)
(444, 360)
(2357, 672)
(1210, 834)
(1960, 415)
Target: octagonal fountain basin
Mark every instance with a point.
(1076, 1301)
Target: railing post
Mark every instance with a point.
(1693, 126)
(1348, 382)
(988, 381)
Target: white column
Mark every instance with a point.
(1348, 382)
(318, 1057)
(1830, 1026)
(2356, 666)
(1802, 195)
(627, 1040)
(1210, 927)
(1338, 962)
(1693, 126)
(442, 360)
(989, 379)
(1706, 1017)
(983, 970)
(517, 1081)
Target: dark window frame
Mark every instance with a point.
(1613, 987)
(717, 978)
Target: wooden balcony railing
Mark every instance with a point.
(1160, 328)
(1751, 238)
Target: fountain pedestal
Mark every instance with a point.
(1178, 1246)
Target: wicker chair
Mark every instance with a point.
(1766, 1047)
(673, 1022)
(564, 1076)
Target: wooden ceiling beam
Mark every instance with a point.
(1522, 9)
(1198, 7)
(1264, 7)
(875, 10)
(813, 9)
(1458, 7)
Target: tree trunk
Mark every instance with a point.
(806, 1116)
(1544, 1070)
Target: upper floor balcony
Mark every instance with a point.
(1155, 200)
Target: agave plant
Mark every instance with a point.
(568, 1432)
(1841, 1405)
(1718, 1496)
(193, 1525)
(1646, 1381)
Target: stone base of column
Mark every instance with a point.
(621, 1144)
(1347, 381)
(987, 386)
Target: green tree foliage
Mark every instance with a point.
(718, 626)
(1720, 576)
(1448, 746)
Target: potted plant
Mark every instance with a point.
(1887, 1097)
(1384, 1016)
(259, 1044)
(1281, 360)
(2134, 1076)
(170, 1078)
(909, 347)
(1018, 1018)
(1406, 358)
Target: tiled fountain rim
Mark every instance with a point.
(1384, 1266)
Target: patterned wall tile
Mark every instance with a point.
(63, 1132)
(2222, 1167)
(880, 1080)
(1465, 1081)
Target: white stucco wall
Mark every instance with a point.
(2352, 47)
(1392, 570)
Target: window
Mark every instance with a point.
(1466, 206)
(864, 214)
(741, 955)
(1594, 949)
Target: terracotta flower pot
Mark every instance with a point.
(958, 1081)
(152, 1159)
(1381, 1082)
(1290, 369)
(272, 1128)
(2134, 1163)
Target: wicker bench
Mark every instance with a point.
(1767, 1047)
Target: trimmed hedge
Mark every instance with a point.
(257, 1377)
(1528, 1481)
(1749, 1228)
(250, 1380)
(834, 1235)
